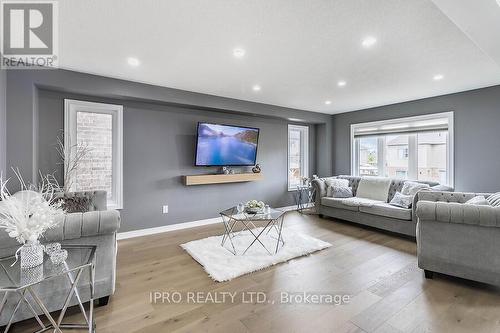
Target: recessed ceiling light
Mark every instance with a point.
(438, 77)
(328, 102)
(256, 88)
(369, 41)
(341, 83)
(239, 52)
(133, 61)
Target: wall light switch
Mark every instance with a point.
(165, 209)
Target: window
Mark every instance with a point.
(418, 148)
(298, 155)
(98, 129)
(368, 157)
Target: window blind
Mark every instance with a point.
(403, 126)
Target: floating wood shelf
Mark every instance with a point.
(221, 179)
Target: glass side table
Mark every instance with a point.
(273, 222)
(24, 282)
(304, 198)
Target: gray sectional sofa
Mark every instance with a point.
(458, 239)
(96, 227)
(380, 215)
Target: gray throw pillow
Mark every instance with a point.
(341, 192)
(479, 200)
(401, 200)
(75, 204)
(494, 199)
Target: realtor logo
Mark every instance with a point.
(29, 34)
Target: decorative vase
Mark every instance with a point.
(31, 255)
(253, 210)
(32, 275)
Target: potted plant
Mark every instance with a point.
(27, 214)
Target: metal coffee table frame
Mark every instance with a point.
(273, 221)
(55, 326)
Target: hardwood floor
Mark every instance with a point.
(388, 293)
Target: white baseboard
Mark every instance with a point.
(177, 226)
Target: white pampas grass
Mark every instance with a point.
(27, 214)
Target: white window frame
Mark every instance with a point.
(450, 151)
(71, 108)
(304, 150)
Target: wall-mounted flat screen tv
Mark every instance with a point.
(224, 145)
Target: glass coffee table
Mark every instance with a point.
(23, 282)
(273, 227)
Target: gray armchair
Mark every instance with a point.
(96, 227)
(458, 239)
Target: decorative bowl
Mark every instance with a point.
(254, 210)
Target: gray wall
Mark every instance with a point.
(477, 134)
(3, 87)
(159, 142)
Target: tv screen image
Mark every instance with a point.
(223, 145)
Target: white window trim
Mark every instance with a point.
(450, 158)
(304, 142)
(71, 107)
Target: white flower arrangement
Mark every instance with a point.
(255, 204)
(27, 214)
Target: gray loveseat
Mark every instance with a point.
(96, 227)
(458, 239)
(380, 215)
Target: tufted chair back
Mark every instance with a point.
(456, 197)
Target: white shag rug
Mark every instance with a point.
(222, 265)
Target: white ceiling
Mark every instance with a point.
(296, 50)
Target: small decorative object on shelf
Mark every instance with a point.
(254, 207)
(27, 214)
(305, 181)
(256, 168)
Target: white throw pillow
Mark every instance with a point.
(412, 188)
(401, 200)
(335, 182)
(479, 200)
(375, 188)
(494, 199)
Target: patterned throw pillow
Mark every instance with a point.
(494, 199)
(401, 200)
(341, 192)
(334, 182)
(411, 188)
(76, 204)
(479, 200)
